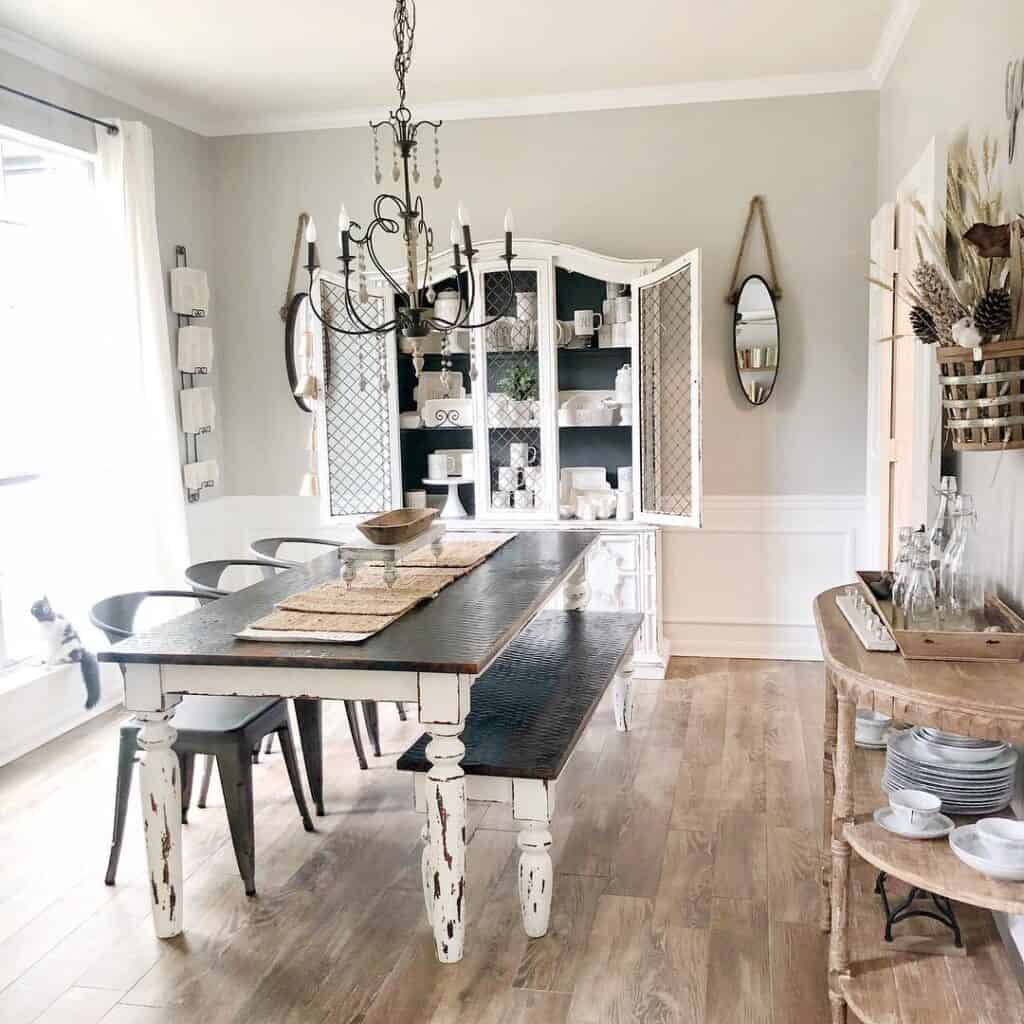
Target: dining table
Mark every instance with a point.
(429, 657)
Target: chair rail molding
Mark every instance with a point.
(742, 586)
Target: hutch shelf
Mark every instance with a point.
(541, 417)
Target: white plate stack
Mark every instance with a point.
(969, 776)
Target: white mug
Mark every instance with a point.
(437, 466)
(415, 499)
(508, 478)
(623, 309)
(625, 475)
(522, 499)
(620, 335)
(500, 499)
(586, 321)
(623, 504)
(585, 509)
(446, 306)
(521, 455)
(532, 478)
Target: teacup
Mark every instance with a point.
(508, 478)
(501, 499)
(1002, 839)
(871, 726)
(914, 807)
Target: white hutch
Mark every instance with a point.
(528, 380)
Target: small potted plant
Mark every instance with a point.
(519, 386)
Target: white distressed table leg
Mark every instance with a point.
(428, 874)
(444, 704)
(536, 878)
(160, 790)
(622, 693)
(577, 589)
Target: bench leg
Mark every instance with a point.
(535, 878)
(622, 695)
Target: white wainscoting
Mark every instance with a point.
(739, 587)
(742, 585)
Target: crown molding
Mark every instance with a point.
(113, 86)
(569, 102)
(893, 36)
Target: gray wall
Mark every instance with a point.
(181, 159)
(652, 182)
(948, 80)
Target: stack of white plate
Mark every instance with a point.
(969, 776)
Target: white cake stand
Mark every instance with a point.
(453, 507)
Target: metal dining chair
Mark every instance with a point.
(268, 549)
(226, 728)
(206, 578)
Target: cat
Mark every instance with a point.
(61, 645)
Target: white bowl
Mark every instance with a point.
(1002, 839)
(915, 807)
(966, 844)
(409, 420)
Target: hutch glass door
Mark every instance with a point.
(357, 412)
(515, 456)
(667, 393)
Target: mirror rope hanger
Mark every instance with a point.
(756, 206)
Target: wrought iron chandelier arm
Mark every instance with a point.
(334, 328)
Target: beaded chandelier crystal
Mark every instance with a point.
(414, 317)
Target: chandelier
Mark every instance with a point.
(402, 214)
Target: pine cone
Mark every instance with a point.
(938, 299)
(923, 324)
(993, 312)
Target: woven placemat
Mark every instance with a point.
(410, 579)
(324, 622)
(456, 554)
(337, 598)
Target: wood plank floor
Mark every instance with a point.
(685, 857)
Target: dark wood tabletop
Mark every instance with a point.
(461, 630)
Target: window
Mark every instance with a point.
(46, 204)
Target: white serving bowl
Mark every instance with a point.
(1002, 839)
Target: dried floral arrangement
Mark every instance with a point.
(968, 286)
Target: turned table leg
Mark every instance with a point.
(577, 589)
(828, 760)
(842, 812)
(444, 704)
(160, 786)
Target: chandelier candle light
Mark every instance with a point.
(414, 317)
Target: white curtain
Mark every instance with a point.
(152, 547)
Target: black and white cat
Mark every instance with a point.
(61, 645)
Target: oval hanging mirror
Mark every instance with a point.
(756, 340)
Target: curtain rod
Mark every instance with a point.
(112, 129)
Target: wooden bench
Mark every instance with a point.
(529, 710)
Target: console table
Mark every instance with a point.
(984, 700)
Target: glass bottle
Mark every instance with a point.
(901, 567)
(921, 608)
(942, 528)
(963, 586)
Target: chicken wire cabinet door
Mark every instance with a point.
(667, 393)
(515, 442)
(357, 415)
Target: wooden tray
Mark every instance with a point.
(926, 645)
(396, 527)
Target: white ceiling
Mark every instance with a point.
(232, 65)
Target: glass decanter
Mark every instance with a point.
(963, 587)
(942, 528)
(920, 606)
